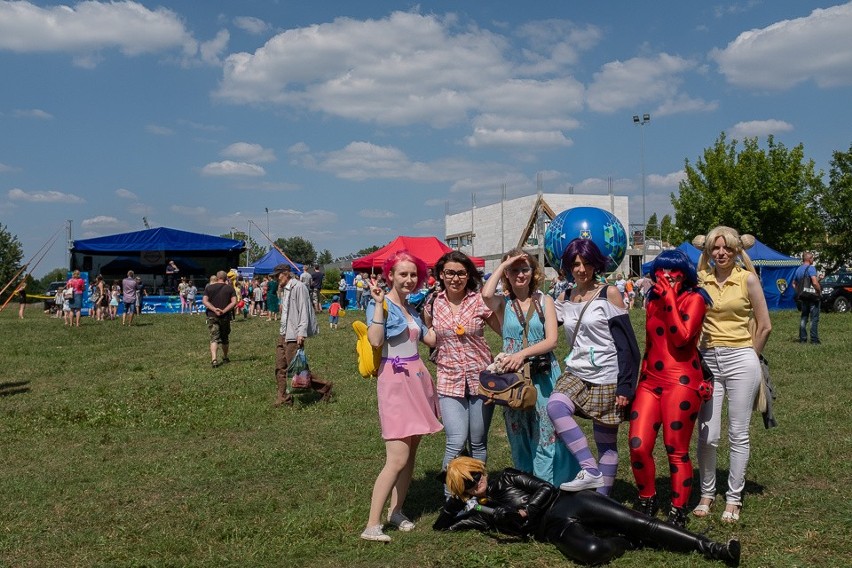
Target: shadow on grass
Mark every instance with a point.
(13, 388)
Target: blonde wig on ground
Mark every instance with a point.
(459, 470)
(733, 240)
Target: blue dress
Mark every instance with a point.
(535, 447)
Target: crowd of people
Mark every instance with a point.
(705, 329)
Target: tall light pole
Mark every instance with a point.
(267, 221)
(646, 118)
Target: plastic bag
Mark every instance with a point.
(299, 371)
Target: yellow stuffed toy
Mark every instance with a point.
(369, 357)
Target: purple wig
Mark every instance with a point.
(588, 251)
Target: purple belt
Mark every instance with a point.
(398, 363)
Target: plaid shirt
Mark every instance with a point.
(460, 357)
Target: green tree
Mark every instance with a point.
(666, 228)
(54, 275)
(325, 257)
(652, 228)
(332, 277)
(834, 208)
(368, 250)
(253, 250)
(11, 254)
(767, 193)
(298, 249)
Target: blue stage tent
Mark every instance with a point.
(147, 252)
(775, 270)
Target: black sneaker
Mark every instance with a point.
(215, 363)
(225, 360)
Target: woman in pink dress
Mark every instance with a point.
(408, 403)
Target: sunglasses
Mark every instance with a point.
(470, 484)
(450, 274)
(522, 270)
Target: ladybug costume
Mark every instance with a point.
(670, 390)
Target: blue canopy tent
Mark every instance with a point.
(270, 260)
(775, 270)
(147, 252)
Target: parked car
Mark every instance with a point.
(837, 292)
(49, 303)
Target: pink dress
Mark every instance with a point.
(408, 404)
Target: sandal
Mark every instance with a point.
(703, 509)
(215, 363)
(731, 515)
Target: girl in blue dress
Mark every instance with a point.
(524, 310)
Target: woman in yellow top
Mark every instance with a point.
(736, 328)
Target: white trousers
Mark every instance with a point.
(737, 374)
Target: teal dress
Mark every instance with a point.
(535, 447)
(272, 303)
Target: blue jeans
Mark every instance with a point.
(810, 308)
(465, 418)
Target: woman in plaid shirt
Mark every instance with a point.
(458, 315)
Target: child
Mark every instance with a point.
(333, 312)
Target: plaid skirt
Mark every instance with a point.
(593, 401)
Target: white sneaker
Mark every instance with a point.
(584, 480)
(401, 522)
(375, 534)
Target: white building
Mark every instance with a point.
(491, 230)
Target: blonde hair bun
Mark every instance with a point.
(699, 241)
(747, 241)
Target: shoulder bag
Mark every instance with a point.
(514, 390)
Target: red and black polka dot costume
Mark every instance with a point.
(667, 394)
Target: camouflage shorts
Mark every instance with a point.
(219, 328)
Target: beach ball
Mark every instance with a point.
(599, 225)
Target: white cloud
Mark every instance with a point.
(813, 48)
(410, 68)
(36, 113)
(211, 51)
(502, 137)
(102, 222)
(364, 160)
(91, 26)
(231, 168)
(376, 214)
(17, 194)
(298, 148)
(758, 128)
(158, 130)
(4, 168)
(624, 84)
(667, 181)
(125, 193)
(254, 26)
(269, 186)
(246, 152)
(187, 210)
(200, 126)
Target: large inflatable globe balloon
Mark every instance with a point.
(599, 225)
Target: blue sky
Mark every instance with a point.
(354, 122)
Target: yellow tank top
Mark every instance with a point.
(726, 322)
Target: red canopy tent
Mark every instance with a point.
(428, 249)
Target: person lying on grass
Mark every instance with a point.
(587, 527)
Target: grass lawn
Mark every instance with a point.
(122, 447)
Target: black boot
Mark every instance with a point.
(728, 553)
(647, 505)
(677, 517)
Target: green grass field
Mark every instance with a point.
(122, 447)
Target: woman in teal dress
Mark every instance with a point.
(535, 447)
(273, 306)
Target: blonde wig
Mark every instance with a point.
(733, 240)
(536, 278)
(460, 470)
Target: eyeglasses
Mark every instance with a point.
(450, 274)
(521, 270)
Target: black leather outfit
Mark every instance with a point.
(585, 526)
